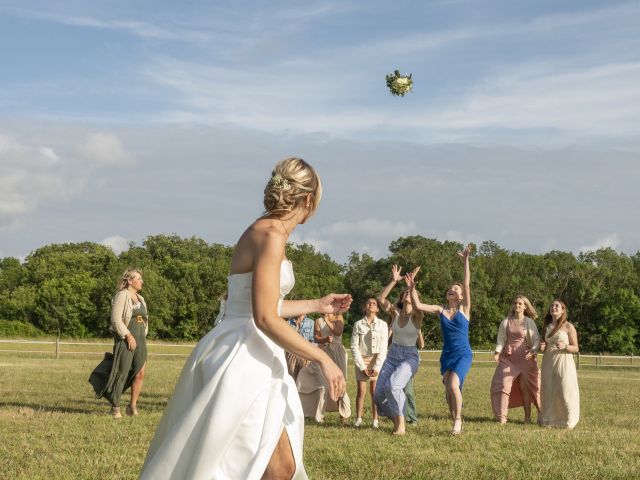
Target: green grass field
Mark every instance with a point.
(52, 428)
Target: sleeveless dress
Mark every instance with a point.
(231, 402)
(559, 393)
(456, 352)
(312, 386)
(512, 370)
(397, 370)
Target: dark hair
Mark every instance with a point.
(366, 300)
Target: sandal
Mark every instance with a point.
(115, 412)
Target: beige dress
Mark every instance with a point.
(559, 393)
(311, 384)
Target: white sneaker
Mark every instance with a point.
(375, 424)
(358, 422)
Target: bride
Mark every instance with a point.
(235, 412)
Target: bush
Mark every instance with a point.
(14, 328)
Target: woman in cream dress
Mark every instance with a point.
(235, 411)
(559, 393)
(310, 382)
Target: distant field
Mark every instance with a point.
(52, 427)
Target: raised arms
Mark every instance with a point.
(385, 304)
(466, 283)
(415, 300)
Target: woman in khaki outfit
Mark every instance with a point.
(130, 325)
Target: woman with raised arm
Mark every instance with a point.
(516, 381)
(559, 392)
(311, 385)
(235, 411)
(455, 360)
(402, 359)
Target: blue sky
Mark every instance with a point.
(120, 120)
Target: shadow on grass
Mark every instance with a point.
(466, 418)
(35, 408)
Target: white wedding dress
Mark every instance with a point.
(231, 402)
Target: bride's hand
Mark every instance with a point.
(335, 379)
(335, 303)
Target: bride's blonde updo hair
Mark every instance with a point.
(291, 181)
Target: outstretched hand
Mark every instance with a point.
(335, 303)
(395, 273)
(464, 254)
(410, 278)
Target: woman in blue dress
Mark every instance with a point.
(456, 357)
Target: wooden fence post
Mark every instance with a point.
(57, 348)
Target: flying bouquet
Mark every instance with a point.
(398, 84)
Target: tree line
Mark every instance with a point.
(66, 289)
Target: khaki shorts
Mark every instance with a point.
(370, 362)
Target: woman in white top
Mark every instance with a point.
(559, 392)
(235, 411)
(402, 359)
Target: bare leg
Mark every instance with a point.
(526, 399)
(361, 392)
(456, 396)
(372, 389)
(282, 464)
(136, 387)
(399, 425)
(445, 381)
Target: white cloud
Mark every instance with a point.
(29, 175)
(104, 149)
(610, 241)
(32, 174)
(369, 235)
(116, 243)
(600, 100)
(133, 27)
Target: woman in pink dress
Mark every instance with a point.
(516, 381)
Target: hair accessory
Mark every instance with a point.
(280, 183)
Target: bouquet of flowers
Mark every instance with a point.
(399, 84)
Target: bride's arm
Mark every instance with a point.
(268, 254)
(335, 303)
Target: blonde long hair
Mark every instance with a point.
(529, 311)
(128, 275)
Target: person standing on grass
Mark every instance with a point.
(456, 357)
(559, 393)
(235, 412)
(402, 359)
(311, 385)
(516, 381)
(129, 325)
(369, 349)
(304, 326)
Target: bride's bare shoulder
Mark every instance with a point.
(260, 237)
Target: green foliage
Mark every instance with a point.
(68, 288)
(16, 329)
